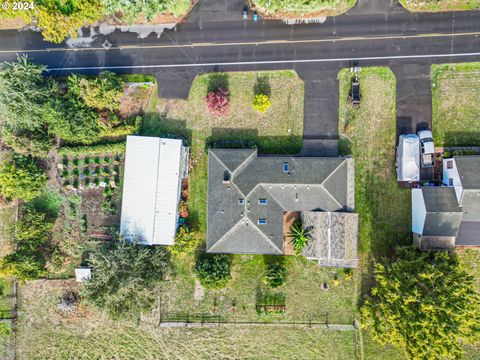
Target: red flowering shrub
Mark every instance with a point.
(217, 102)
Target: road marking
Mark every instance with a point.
(269, 62)
(267, 42)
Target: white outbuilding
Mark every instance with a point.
(154, 169)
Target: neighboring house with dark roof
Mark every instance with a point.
(449, 216)
(248, 196)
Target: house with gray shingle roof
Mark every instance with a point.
(449, 216)
(249, 194)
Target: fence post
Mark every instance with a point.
(188, 318)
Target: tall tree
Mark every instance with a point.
(24, 92)
(24, 104)
(424, 303)
(124, 276)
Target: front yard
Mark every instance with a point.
(368, 133)
(277, 131)
(455, 110)
(440, 5)
(283, 9)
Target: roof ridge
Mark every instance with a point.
(328, 177)
(234, 227)
(223, 236)
(245, 163)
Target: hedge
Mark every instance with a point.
(92, 150)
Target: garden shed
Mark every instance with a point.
(154, 169)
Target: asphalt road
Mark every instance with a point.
(375, 32)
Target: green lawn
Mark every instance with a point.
(45, 332)
(304, 298)
(368, 133)
(300, 8)
(440, 5)
(455, 110)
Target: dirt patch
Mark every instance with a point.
(199, 292)
(135, 99)
(12, 24)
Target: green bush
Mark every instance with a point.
(130, 10)
(186, 241)
(31, 236)
(71, 119)
(261, 103)
(213, 270)
(59, 20)
(275, 275)
(101, 92)
(21, 178)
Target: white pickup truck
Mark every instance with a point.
(427, 150)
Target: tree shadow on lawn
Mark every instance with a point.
(248, 139)
(156, 125)
(217, 81)
(461, 138)
(262, 86)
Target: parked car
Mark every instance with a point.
(354, 94)
(427, 149)
(408, 154)
(245, 12)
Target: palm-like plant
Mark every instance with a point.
(299, 236)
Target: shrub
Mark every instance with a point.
(125, 277)
(186, 241)
(131, 9)
(213, 270)
(21, 178)
(275, 275)
(261, 103)
(71, 119)
(299, 236)
(61, 19)
(31, 236)
(217, 102)
(102, 92)
(183, 209)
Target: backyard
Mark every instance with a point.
(455, 110)
(47, 331)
